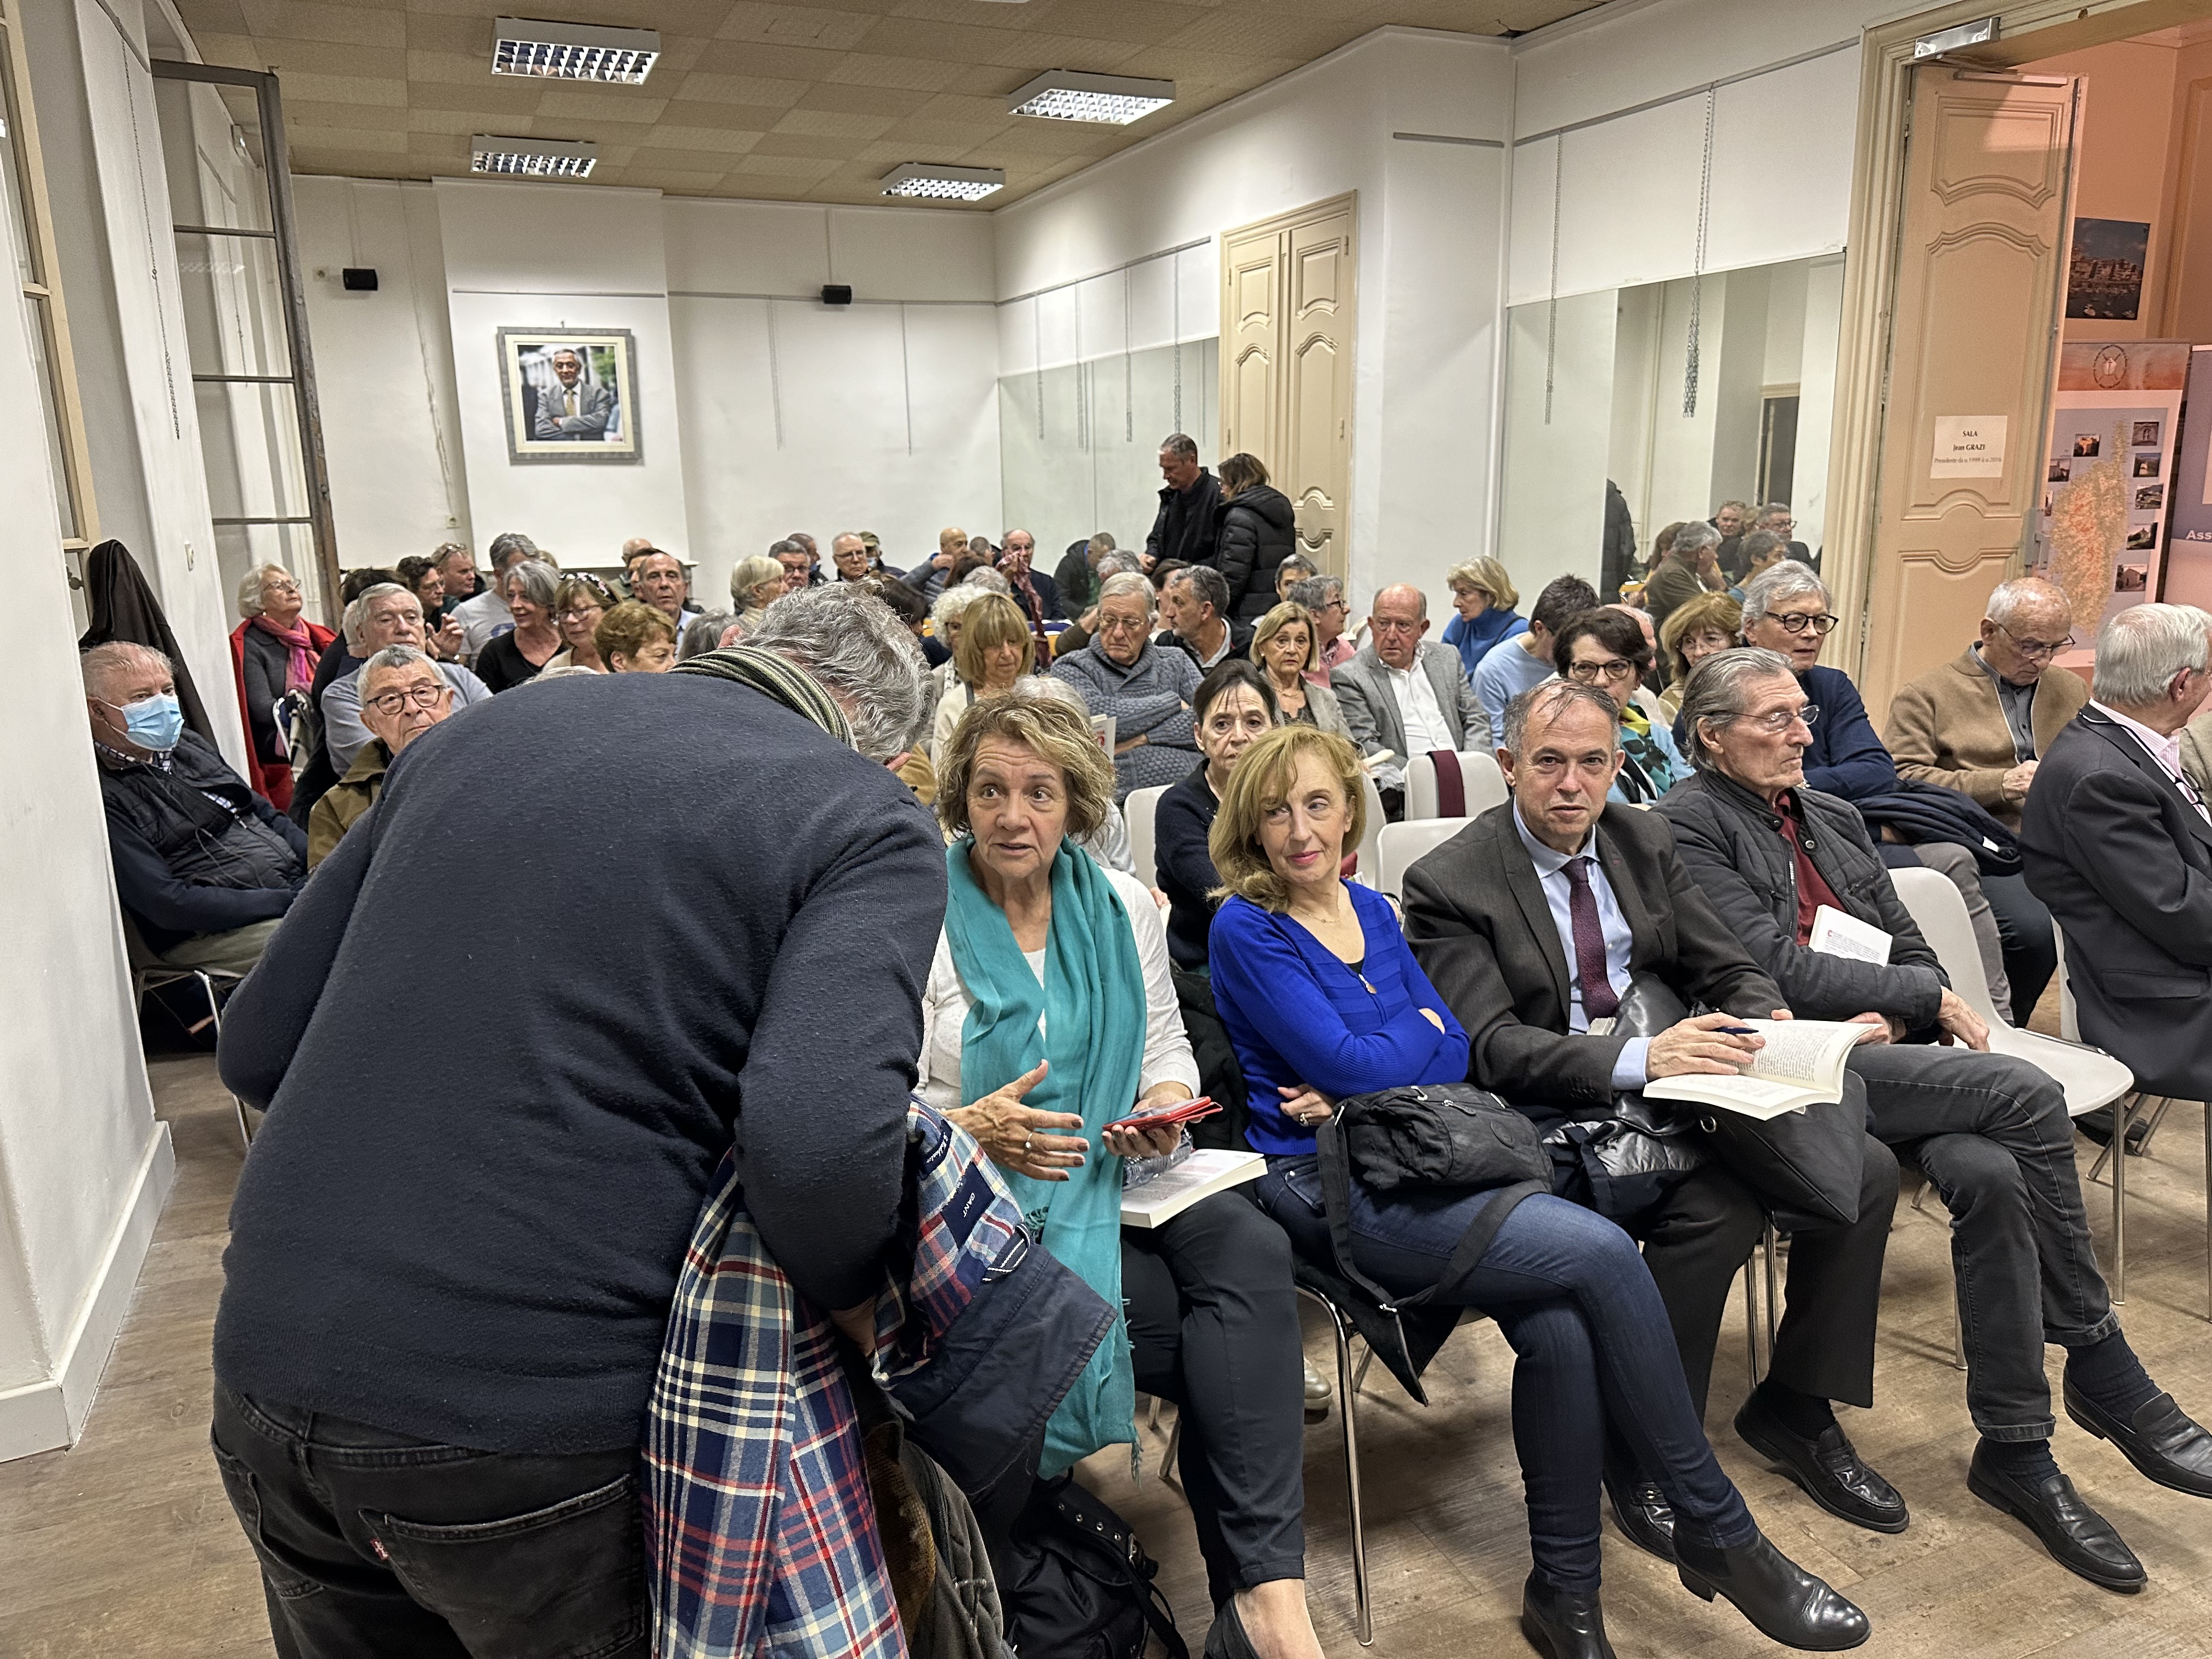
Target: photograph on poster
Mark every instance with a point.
(2131, 579)
(2060, 472)
(2085, 443)
(2147, 466)
(2143, 537)
(2146, 435)
(2105, 278)
(570, 395)
(2150, 498)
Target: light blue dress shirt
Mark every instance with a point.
(1504, 672)
(1630, 1069)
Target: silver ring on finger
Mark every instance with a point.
(1026, 1140)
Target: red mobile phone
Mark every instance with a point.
(1183, 1111)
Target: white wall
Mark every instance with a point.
(1429, 227)
(83, 1166)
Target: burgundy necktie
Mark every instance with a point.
(1598, 1001)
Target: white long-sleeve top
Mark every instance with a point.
(946, 1002)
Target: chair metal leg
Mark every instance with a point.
(2122, 1118)
(2208, 1207)
(215, 1014)
(1750, 1321)
(1768, 1244)
(2150, 1131)
(1359, 1377)
(1348, 1388)
(1958, 1333)
(1168, 1476)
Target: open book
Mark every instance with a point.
(1203, 1173)
(1802, 1062)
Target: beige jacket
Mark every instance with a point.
(2196, 751)
(1946, 728)
(345, 801)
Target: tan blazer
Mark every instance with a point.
(1946, 728)
(2196, 751)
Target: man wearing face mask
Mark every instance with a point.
(204, 866)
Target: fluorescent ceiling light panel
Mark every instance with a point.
(573, 52)
(1074, 95)
(928, 180)
(532, 158)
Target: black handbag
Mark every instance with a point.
(1079, 1585)
(1806, 1167)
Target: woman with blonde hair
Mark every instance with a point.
(1284, 648)
(755, 584)
(995, 651)
(578, 604)
(1693, 630)
(1484, 595)
(1049, 1015)
(637, 638)
(1323, 1000)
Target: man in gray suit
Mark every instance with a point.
(575, 410)
(2116, 841)
(1402, 694)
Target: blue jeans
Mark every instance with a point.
(1591, 1338)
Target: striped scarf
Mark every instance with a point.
(774, 677)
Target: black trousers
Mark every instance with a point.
(1213, 1322)
(372, 1544)
(1695, 1239)
(2030, 940)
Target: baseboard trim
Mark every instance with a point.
(41, 1416)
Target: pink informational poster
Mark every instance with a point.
(2108, 475)
(2188, 519)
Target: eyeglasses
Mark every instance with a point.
(275, 586)
(1798, 622)
(426, 695)
(578, 612)
(1780, 721)
(1393, 625)
(1587, 673)
(2035, 648)
(1124, 624)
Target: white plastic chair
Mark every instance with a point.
(2090, 1077)
(1138, 810)
(1370, 845)
(1404, 845)
(1484, 785)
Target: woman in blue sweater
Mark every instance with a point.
(1323, 1000)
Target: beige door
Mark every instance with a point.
(1981, 258)
(1287, 324)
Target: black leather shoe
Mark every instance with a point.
(2098, 1126)
(1643, 1514)
(2162, 1441)
(2079, 1539)
(1226, 1640)
(1784, 1602)
(1828, 1467)
(1563, 1625)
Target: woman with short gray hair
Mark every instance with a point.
(274, 652)
(530, 589)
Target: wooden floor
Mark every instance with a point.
(124, 1545)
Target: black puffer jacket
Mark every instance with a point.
(1258, 530)
(1731, 842)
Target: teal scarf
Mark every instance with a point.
(1092, 1004)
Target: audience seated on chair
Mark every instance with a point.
(1324, 1001)
(1606, 648)
(1147, 688)
(205, 867)
(1989, 1131)
(1234, 707)
(274, 650)
(635, 638)
(1788, 610)
(1484, 596)
(1194, 603)
(486, 616)
(531, 588)
(1323, 599)
(659, 580)
(402, 696)
(1525, 660)
(2116, 842)
(1694, 631)
(996, 650)
(578, 604)
(1616, 904)
(1283, 647)
(1048, 1014)
(385, 614)
(1402, 696)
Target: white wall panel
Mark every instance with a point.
(793, 248)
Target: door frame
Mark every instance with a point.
(2027, 30)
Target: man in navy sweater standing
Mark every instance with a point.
(451, 1261)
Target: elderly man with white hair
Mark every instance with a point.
(385, 614)
(1145, 687)
(402, 696)
(205, 867)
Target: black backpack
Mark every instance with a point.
(1080, 1585)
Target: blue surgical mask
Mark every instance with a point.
(155, 723)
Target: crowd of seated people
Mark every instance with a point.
(1061, 1000)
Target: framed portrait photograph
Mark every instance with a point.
(2147, 466)
(570, 395)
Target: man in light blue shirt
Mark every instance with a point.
(1512, 666)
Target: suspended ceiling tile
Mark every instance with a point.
(867, 68)
(829, 124)
(863, 101)
(754, 118)
(795, 26)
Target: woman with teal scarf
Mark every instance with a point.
(1050, 1013)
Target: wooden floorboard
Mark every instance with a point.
(124, 1545)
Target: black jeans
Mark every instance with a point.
(1214, 1324)
(2030, 939)
(375, 1544)
(1991, 1132)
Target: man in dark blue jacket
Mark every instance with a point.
(452, 1256)
(205, 867)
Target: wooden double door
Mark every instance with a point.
(1288, 303)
